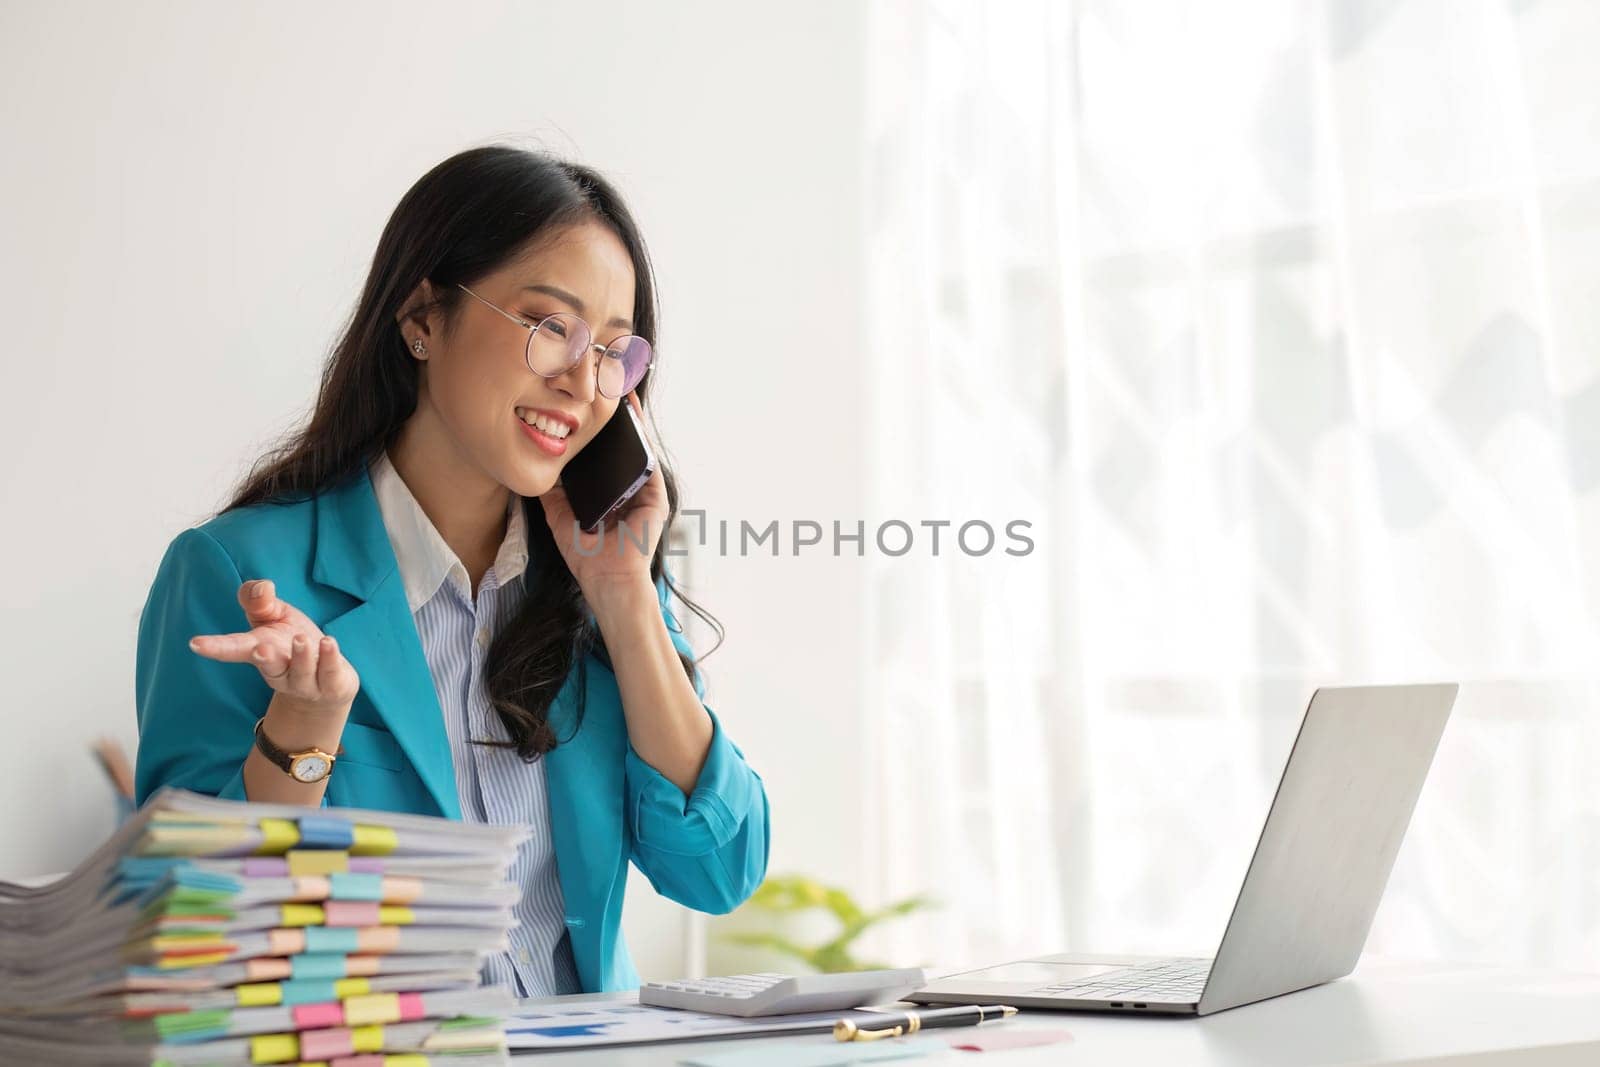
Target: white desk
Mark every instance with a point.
(1420, 1015)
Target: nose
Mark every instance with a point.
(579, 381)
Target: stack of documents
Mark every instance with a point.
(209, 931)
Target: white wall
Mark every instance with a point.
(191, 194)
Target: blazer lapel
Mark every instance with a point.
(379, 636)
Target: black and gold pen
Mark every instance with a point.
(897, 1024)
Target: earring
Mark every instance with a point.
(418, 347)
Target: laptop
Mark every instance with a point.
(1313, 886)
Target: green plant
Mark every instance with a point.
(787, 894)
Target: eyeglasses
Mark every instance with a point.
(559, 342)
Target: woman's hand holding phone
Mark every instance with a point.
(611, 557)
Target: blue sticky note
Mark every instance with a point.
(316, 965)
(307, 991)
(811, 1054)
(326, 939)
(356, 886)
(322, 831)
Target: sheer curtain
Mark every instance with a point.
(1278, 321)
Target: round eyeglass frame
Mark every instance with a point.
(533, 329)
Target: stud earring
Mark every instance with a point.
(418, 347)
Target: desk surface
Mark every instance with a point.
(1419, 1014)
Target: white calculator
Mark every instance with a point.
(747, 995)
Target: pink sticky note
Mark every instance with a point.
(1002, 1038)
(412, 1007)
(325, 1044)
(316, 1016)
(351, 913)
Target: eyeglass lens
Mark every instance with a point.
(560, 341)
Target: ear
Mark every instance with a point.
(418, 319)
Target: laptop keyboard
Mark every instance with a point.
(1179, 981)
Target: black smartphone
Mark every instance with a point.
(610, 469)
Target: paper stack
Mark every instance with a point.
(209, 931)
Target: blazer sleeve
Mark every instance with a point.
(196, 715)
(708, 849)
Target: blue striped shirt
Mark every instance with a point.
(494, 784)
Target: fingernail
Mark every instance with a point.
(194, 644)
(259, 653)
(258, 589)
(299, 642)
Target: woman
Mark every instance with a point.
(396, 610)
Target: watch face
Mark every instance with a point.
(310, 769)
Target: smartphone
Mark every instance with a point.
(610, 469)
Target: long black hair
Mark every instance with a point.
(467, 217)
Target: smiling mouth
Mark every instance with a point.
(552, 428)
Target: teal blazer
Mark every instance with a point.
(330, 556)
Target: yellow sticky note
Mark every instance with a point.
(274, 1048)
(259, 995)
(313, 861)
(373, 840)
(277, 836)
(301, 914)
(373, 1008)
(204, 959)
(366, 1038)
(198, 939)
(351, 987)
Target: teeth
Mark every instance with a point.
(544, 424)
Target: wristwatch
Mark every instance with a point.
(310, 765)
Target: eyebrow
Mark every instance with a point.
(563, 295)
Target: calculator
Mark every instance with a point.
(748, 995)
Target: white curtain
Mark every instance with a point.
(1279, 322)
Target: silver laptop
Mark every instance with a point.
(1307, 902)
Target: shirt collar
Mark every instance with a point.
(426, 560)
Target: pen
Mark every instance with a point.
(912, 1021)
